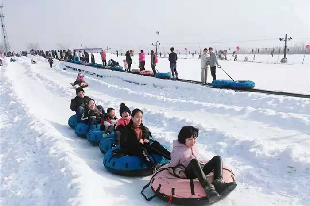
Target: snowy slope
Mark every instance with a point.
(265, 139)
(291, 77)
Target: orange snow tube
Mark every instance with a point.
(182, 191)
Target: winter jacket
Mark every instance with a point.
(91, 113)
(93, 59)
(128, 58)
(77, 101)
(205, 60)
(153, 59)
(213, 60)
(103, 55)
(173, 57)
(129, 139)
(182, 155)
(120, 127)
(80, 78)
(107, 123)
(141, 57)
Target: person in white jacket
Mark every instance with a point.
(205, 64)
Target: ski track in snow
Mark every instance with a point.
(264, 138)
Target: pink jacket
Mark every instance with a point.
(123, 121)
(141, 57)
(79, 78)
(103, 55)
(181, 154)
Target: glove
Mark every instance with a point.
(219, 66)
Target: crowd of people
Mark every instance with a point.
(136, 139)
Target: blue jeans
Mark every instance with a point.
(79, 112)
(91, 122)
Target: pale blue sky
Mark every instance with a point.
(132, 23)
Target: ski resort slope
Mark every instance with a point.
(265, 139)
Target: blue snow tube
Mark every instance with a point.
(98, 65)
(72, 122)
(222, 83)
(117, 68)
(91, 64)
(106, 143)
(95, 136)
(13, 60)
(117, 162)
(81, 129)
(242, 84)
(163, 75)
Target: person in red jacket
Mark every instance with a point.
(108, 121)
(103, 58)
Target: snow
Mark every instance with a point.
(291, 77)
(265, 139)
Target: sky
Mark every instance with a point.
(132, 24)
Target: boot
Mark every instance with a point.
(224, 188)
(211, 193)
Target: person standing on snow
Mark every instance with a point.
(205, 64)
(173, 57)
(142, 60)
(50, 60)
(153, 61)
(92, 58)
(103, 58)
(213, 63)
(128, 60)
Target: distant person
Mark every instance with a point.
(128, 60)
(86, 56)
(160, 54)
(92, 58)
(153, 61)
(142, 60)
(116, 53)
(50, 60)
(213, 63)
(205, 64)
(103, 58)
(235, 59)
(173, 57)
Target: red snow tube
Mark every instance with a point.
(182, 191)
(146, 73)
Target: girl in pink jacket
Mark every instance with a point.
(142, 60)
(185, 164)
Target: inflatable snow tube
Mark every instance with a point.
(242, 84)
(95, 136)
(135, 71)
(117, 162)
(81, 129)
(178, 191)
(146, 73)
(72, 122)
(163, 75)
(98, 66)
(106, 143)
(13, 60)
(117, 68)
(90, 64)
(222, 83)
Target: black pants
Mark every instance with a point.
(129, 67)
(213, 72)
(104, 62)
(153, 68)
(143, 151)
(142, 64)
(173, 67)
(51, 64)
(197, 170)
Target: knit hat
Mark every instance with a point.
(124, 108)
(79, 89)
